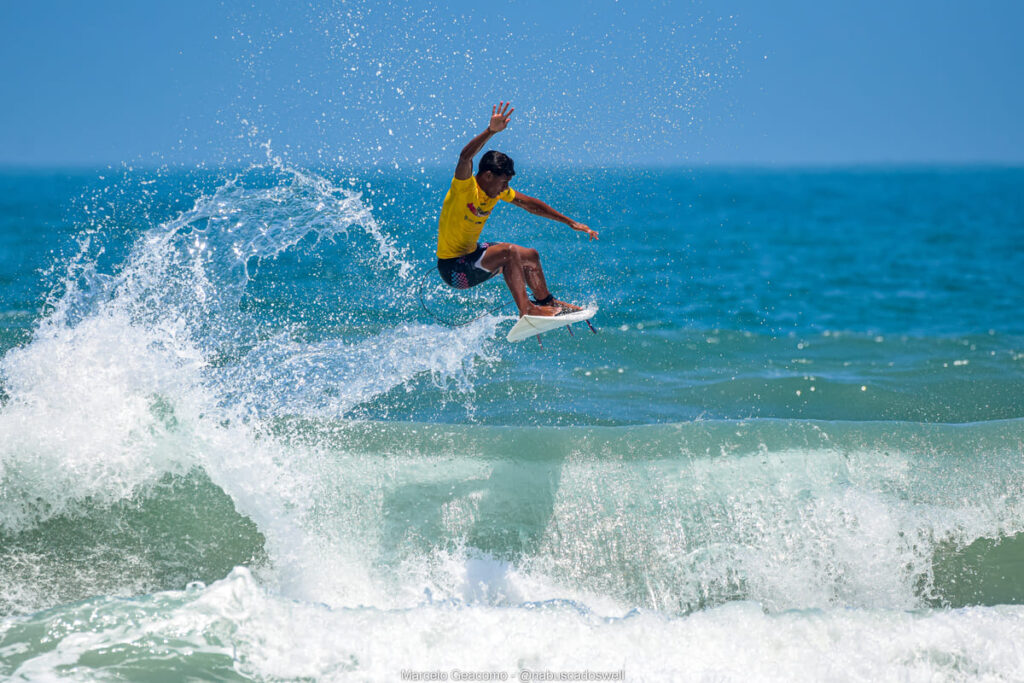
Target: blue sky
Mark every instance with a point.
(602, 82)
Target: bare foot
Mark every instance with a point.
(534, 309)
(566, 306)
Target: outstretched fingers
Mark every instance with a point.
(501, 114)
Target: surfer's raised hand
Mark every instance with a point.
(576, 225)
(500, 116)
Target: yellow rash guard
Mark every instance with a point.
(463, 214)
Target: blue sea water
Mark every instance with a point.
(238, 442)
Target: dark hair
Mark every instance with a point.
(497, 163)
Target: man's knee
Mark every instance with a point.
(512, 253)
(527, 254)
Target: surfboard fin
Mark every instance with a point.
(590, 326)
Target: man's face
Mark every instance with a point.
(493, 184)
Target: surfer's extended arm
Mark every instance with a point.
(536, 206)
(500, 116)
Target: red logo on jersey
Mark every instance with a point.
(477, 212)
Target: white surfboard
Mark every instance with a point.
(530, 325)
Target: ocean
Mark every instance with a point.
(247, 434)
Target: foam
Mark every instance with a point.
(617, 518)
(82, 420)
(236, 623)
(790, 529)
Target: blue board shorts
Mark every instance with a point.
(463, 272)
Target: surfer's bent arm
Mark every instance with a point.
(536, 206)
(500, 116)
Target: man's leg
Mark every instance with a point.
(534, 275)
(520, 266)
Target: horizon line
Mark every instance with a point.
(7, 166)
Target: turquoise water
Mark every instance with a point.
(234, 444)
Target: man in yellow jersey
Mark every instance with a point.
(462, 261)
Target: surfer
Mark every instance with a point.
(461, 260)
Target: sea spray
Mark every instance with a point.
(157, 368)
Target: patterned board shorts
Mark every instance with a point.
(463, 272)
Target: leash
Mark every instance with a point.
(423, 280)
